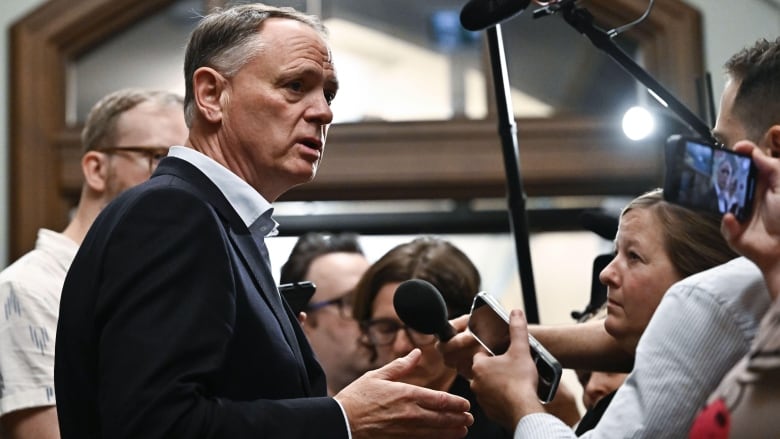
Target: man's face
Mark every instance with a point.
(728, 129)
(331, 331)
(276, 109)
(148, 126)
(724, 175)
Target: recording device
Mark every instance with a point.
(481, 14)
(421, 307)
(490, 326)
(297, 295)
(702, 176)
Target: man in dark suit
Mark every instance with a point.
(171, 325)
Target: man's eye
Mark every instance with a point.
(295, 86)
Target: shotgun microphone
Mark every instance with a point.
(421, 307)
(477, 15)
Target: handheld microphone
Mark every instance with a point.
(421, 307)
(482, 14)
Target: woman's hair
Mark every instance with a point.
(692, 239)
(428, 258)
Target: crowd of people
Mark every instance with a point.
(156, 312)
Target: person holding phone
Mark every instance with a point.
(657, 244)
(450, 271)
(704, 323)
(746, 402)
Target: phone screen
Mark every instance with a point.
(704, 177)
(490, 326)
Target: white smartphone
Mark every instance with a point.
(489, 324)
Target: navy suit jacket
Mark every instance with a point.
(171, 326)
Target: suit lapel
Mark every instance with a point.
(247, 248)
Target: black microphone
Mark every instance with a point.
(421, 307)
(482, 14)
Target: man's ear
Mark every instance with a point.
(773, 140)
(208, 85)
(94, 166)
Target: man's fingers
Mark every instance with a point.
(518, 329)
(441, 402)
(398, 368)
(460, 323)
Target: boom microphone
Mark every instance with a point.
(482, 14)
(421, 307)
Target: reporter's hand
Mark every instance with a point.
(758, 238)
(505, 384)
(378, 406)
(459, 351)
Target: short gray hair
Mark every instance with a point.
(227, 39)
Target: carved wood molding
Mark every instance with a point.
(454, 159)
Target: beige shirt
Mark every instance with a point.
(30, 291)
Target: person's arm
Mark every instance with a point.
(34, 423)
(695, 336)
(505, 386)
(583, 346)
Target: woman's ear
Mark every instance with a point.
(208, 85)
(94, 166)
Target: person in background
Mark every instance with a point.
(124, 137)
(171, 323)
(334, 263)
(746, 402)
(452, 273)
(598, 388)
(657, 244)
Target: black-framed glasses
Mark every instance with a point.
(383, 332)
(153, 154)
(344, 304)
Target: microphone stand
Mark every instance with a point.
(507, 129)
(582, 20)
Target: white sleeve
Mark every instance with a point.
(689, 345)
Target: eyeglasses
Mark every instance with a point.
(153, 154)
(382, 332)
(344, 304)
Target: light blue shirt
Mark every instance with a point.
(247, 202)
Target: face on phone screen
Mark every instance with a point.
(703, 177)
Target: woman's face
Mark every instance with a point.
(637, 277)
(431, 372)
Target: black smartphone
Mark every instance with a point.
(297, 294)
(706, 177)
(489, 324)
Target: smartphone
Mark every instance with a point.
(297, 294)
(489, 324)
(705, 177)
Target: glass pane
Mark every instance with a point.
(149, 54)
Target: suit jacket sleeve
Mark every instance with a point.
(166, 320)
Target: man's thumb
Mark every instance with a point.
(518, 328)
(398, 368)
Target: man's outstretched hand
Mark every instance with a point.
(378, 406)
